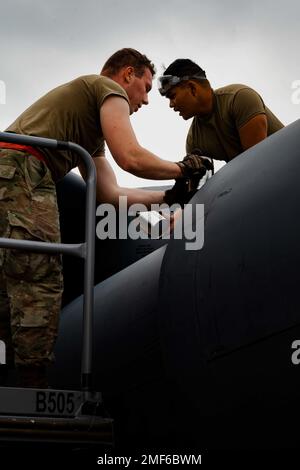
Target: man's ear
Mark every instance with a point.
(128, 73)
(193, 88)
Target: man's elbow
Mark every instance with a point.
(108, 196)
(130, 161)
(133, 167)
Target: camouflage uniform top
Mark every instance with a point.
(217, 134)
(69, 112)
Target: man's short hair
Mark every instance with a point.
(183, 68)
(128, 57)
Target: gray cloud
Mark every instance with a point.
(45, 43)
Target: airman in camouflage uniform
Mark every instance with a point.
(77, 111)
(30, 283)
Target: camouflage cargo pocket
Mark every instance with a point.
(27, 265)
(7, 173)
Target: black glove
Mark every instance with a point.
(180, 193)
(195, 180)
(195, 165)
(208, 162)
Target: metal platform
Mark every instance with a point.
(59, 416)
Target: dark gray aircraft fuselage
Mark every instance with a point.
(194, 347)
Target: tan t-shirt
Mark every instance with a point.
(69, 112)
(217, 135)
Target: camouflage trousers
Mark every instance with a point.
(30, 283)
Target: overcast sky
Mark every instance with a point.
(46, 43)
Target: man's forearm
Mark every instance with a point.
(134, 196)
(145, 164)
(143, 196)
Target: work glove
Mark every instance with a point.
(180, 193)
(194, 164)
(208, 163)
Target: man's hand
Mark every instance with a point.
(194, 165)
(180, 193)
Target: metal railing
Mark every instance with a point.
(84, 250)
